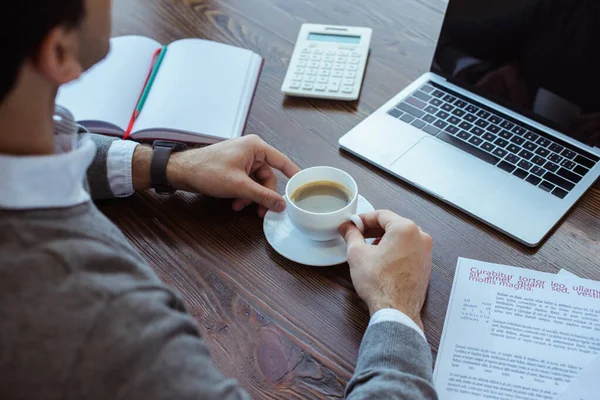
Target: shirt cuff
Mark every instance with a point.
(118, 164)
(392, 315)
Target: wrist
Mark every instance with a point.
(140, 168)
(176, 171)
(378, 305)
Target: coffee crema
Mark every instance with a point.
(322, 197)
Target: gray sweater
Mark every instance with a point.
(82, 316)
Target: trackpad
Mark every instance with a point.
(450, 173)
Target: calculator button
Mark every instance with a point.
(317, 51)
(333, 87)
(315, 58)
(310, 79)
(337, 74)
(330, 52)
(352, 68)
(324, 72)
(354, 60)
(343, 53)
(328, 58)
(302, 63)
(350, 74)
(305, 50)
(347, 89)
(299, 70)
(340, 66)
(326, 65)
(314, 64)
(322, 79)
(307, 86)
(355, 54)
(303, 57)
(297, 77)
(295, 85)
(348, 82)
(342, 59)
(320, 87)
(312, 71)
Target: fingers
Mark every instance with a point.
(279, 161)
(383, 219)
(240, 204)
(261, 195)
(352, 235)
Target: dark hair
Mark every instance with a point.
(24, 25)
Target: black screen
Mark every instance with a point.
(540, 58)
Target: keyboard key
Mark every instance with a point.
(307, 86)
(538, 160)
(452, 129)
(432, 130)
(438, 93)
(350, 82)
(526, 165)
(534, 180)
(460, 103)
(482, 123)
(537, 171)
(558, 181)
(517, 140)
(407, 118)
(518, 130)
(411, 110)
(565, 173)
(440, 124)
(324, 72)
(489, 137)
(394, 112)
(505, 134)
(558, 192)
(547, 186)
(319, 87)
(423, 96)
(427, 89)
(417, 123)
(449, 98)
(568, 164)
(474, 139)
(442, 114)
(334, 86)
(310, 79)
(487, 146)
(506, 166)
(507, 125)
(513, 159)
(557, 148)
(495, 120)
(543, 142)
(465, 135)
(295, 84)
(520, 173)
(513, 148)
(436, 102)
(474, 151)
(453, 120)
(472, 109)
(337, 74)
(411, 100)
(500, 152)
(430, 119)
(447, 107)
(350, 74)
(477, 131)
(431, 109)
(555, 158)
(551, 166)
(526, 154)
(530, 136)
(580, 170)
(483, 114)
(494, 128)
(347, 89)
(458, 112)
(465, 125)
(470, 117)
(530, 146)
(570, 154)
(500, 142)
(542, 152)
(586, 162)
(322, 79)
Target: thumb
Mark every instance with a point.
(352, 235)
(265, 197)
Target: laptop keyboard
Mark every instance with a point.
(529, 154)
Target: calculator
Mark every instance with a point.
(328, 62)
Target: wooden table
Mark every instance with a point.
(282, 329)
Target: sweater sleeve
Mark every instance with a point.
(98, 171)
(394, 362)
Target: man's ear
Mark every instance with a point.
(58, 56)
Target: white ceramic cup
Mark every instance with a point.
(322, 226)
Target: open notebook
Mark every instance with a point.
(202, 92)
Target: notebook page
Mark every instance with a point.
(200, 88)
(109, 91)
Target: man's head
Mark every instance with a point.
(50, 42)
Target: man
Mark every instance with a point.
(82, 315)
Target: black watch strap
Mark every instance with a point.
(161, 152)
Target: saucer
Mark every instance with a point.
(293, 245)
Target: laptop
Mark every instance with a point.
(495, 128)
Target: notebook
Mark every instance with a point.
(201, 94)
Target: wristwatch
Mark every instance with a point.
(161, 151)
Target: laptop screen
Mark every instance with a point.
(540, 58)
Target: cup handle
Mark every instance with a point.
(358, 222)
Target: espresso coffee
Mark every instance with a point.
(322, 197)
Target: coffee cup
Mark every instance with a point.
(320, 200)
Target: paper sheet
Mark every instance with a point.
(586, 386)
(513, 333)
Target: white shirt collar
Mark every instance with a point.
(52, 181)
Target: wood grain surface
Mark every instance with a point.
(282, 329)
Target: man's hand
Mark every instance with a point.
(239, 169)
(393, 272)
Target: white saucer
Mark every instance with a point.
(290, 243)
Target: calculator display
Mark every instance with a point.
(321, 37)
